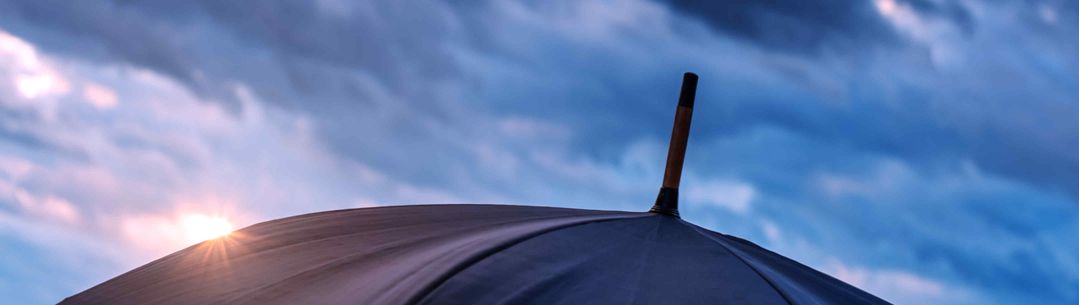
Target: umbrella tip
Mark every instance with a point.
(667, 200)
(689, 90)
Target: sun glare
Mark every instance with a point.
(199, 227)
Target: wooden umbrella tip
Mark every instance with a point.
(667, 200)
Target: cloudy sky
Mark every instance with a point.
(924, 150)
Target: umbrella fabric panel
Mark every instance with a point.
(651, 260)
(388, 255)
(799, 283)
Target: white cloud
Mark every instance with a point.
(887, 178)
(99, 96)
(520, 127)
(771, 231)
(36, 85)
(941, 36)
(32, 77)
(15, 168)
(48, 206)
(1047, 13)
(732, 195)
(900, 286)
(42, 207)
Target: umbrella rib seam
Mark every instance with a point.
(647, 256)
(421, 297)
(782, 294)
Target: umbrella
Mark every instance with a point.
(482, 254)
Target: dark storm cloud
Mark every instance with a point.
(951, 11)
(170, 38)
(796, 26)
(811, 27)
(101, 30)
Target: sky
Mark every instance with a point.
(922, 150)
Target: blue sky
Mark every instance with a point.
(923, 150)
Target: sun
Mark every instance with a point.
(200, 227)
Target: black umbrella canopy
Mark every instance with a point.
(482, 254)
